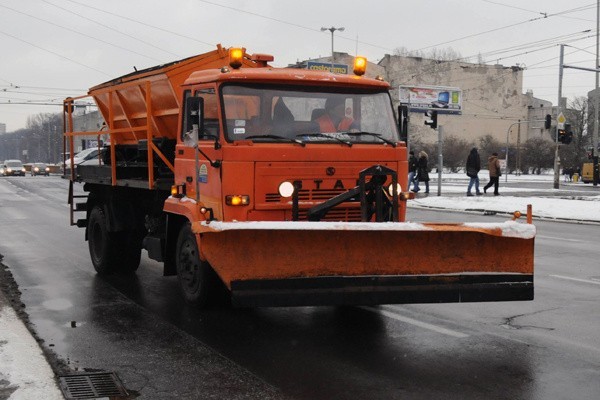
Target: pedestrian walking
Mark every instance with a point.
(571, 172)
(473, 168)
(422, 172)
(412, 171)
(495, 173)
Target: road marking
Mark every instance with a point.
(559, 238)
(592, 281)
(415, 322)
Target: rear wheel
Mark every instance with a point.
(193, 274)
(111, 251)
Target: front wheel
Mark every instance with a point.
(193, 274)
(111, 251)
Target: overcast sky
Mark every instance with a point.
(51, 49)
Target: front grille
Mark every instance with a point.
(307, 195)
(337, 214)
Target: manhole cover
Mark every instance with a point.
(92, 386)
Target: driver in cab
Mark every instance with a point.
(334, 118)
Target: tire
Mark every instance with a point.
(193, 274)
(111, 252)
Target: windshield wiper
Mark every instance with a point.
(328, 136)
(300, 142)
(377, 135)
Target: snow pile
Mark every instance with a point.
(509, 229)
(587, 209)
(315, 226)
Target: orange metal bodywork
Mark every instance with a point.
(446, 249)
(148, 104)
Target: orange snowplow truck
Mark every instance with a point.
(284, 187)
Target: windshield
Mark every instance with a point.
(14, 164)
(285, 114)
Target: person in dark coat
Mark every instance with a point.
(412, 170)
(495, 172)
(422, 172)
(473, 168)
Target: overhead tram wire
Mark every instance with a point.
(212, 45)
(557, 39)
(514, 7)
(55, 53)
(260, 16)
(79, 33)
(113, 29)
(71, 90)
(508, 26)
(533, 11)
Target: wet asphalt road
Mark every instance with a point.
(140, 328)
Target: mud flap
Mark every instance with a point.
(319, 263)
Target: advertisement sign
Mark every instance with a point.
(323, 66)
(443, 99)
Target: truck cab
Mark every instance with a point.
(267, 128)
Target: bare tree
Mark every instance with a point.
(456, 151)
(447, 54)
(489, 145)
(575, 153)
(538, 153)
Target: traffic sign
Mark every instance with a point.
(561, 120)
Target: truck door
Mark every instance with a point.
(199, 165)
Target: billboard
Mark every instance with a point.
(443, 99)
(324, 66)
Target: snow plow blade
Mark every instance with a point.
(327, 263)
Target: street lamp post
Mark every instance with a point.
(507, 143)
(332, 29)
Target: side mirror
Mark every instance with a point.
(194, 120)
(403, 122)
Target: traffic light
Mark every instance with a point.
(548, 121)
(568, 134)
(432, 119)
(565, 135)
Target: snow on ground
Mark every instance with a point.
(564, 203)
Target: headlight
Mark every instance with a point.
(391, 189)
(9, 170)
(36, 169)
(47, 169)
(286, 189)
(1, 170)
(23, 169)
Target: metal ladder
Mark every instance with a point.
(76, 207)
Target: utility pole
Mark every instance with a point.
(558, 111)
(440, 158)
(518, 164)
(596, 100)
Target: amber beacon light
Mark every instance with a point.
(235, 57)
(360, 66)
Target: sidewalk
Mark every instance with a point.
(24, 371)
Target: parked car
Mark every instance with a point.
(13, 167)
(85, 155)
(40, 169)
(81, 157)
